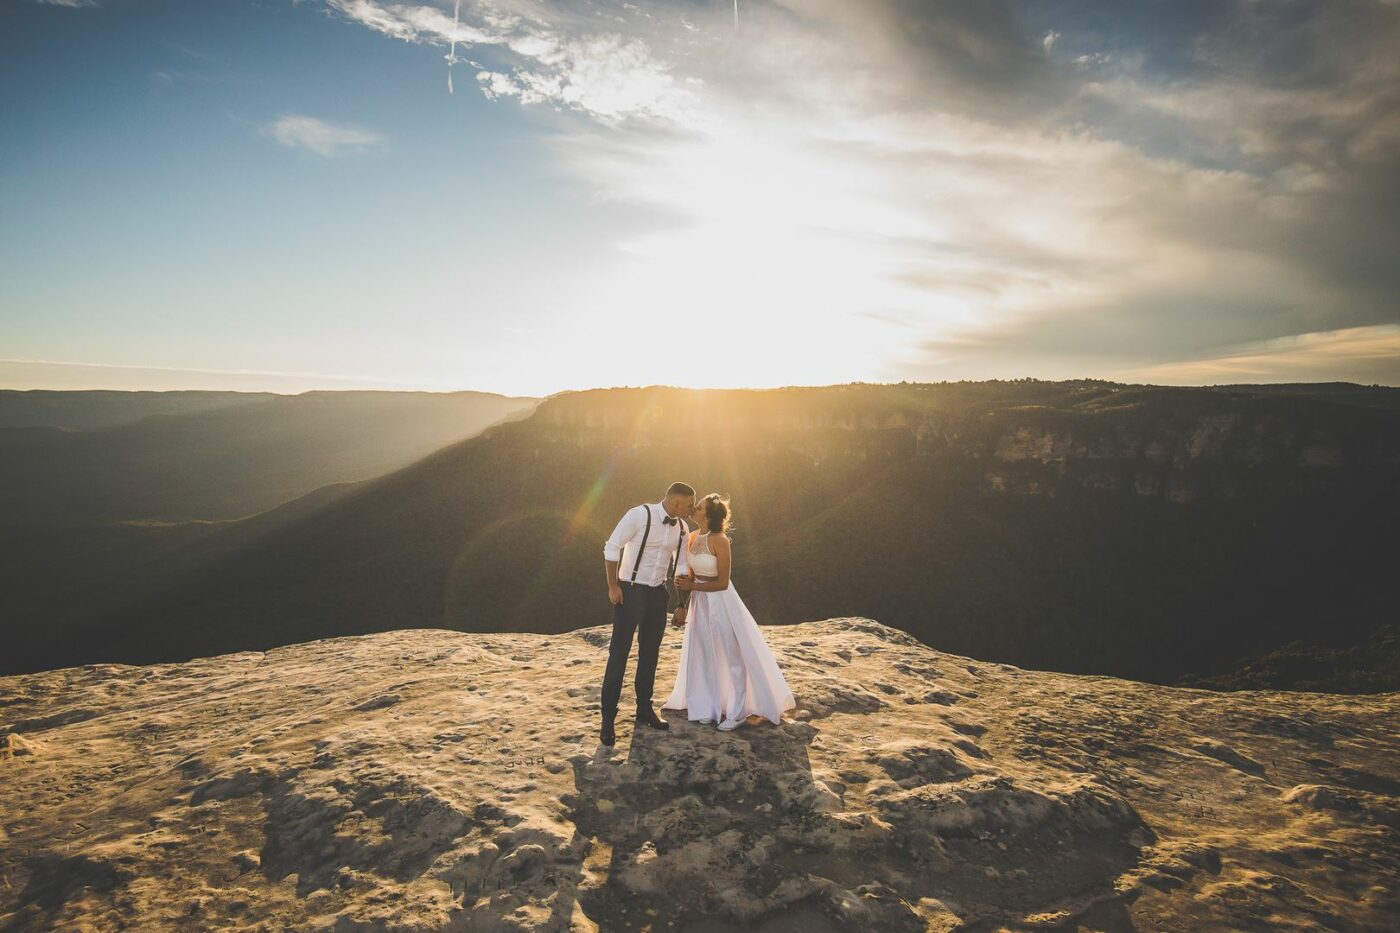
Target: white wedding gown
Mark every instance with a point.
(727, 671)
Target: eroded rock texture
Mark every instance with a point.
(427, 780)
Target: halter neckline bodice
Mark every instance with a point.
(702, 561)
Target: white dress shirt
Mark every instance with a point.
(622, 545)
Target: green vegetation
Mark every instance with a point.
(1371, 666)
(1139, 531)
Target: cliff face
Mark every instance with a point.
(425, 780)
(1139, 531)
(1176, 444)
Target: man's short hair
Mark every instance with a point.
(680, 489)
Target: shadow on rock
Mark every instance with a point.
(686, 829)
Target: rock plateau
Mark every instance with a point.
(428, 780)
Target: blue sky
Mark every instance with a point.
(150, 220)
(279, 195)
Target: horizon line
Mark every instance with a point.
(448, 390)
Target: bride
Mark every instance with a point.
(727, 672)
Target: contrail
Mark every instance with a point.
(736, 14)
(452, 53)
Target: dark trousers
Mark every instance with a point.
(643, 607)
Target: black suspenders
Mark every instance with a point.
(638, 562)
(675, 559)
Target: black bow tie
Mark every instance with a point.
(668, 520)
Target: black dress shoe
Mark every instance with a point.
(649, 717)
(608, 737)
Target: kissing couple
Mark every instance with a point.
(727, 672)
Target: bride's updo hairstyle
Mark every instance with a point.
(717, 512)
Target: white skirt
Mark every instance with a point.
(727, 671)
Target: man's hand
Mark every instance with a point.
(615, 594)
(678, 617)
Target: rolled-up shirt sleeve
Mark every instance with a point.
(625, 531)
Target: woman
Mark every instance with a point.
(727, 672)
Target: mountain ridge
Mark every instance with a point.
(230, 460)
(1052, 566)
(504, 530)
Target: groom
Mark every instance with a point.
(640, 557)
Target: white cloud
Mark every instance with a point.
(1351, 354)
(297, 131)
(1026, 204)
(556, 58)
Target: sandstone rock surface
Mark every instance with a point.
(428, 780)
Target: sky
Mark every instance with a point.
(527, 197)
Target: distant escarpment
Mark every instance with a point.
(1022, 437)
(1088, 527)
(192, 456)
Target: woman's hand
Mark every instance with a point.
(686, 582)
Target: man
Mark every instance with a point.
(638, 559)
